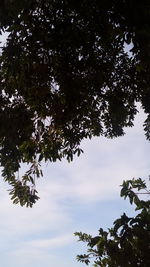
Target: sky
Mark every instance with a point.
(78, 196)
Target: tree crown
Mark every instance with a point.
(65, 76)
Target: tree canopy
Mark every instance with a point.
(66, 75)
(127, 243)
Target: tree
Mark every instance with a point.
(65, 75)
(127, 243)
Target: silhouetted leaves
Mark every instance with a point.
(127, 243)
(65, 75)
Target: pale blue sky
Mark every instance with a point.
(80, 196)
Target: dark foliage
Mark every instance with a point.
(65, 75)
(127, 243)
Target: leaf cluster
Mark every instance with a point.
(127, 243)
(65, 76)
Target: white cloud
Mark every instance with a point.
(31, 234)
(42, 252)
(97, 174)
(51, 242)
(46, 214)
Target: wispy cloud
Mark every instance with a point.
(32, 235)
(51, 243)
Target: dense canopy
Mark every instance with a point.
(66, 73)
